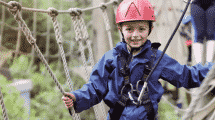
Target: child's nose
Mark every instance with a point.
(135, 34)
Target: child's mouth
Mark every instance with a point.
(135, 40)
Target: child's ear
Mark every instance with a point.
(119, 27)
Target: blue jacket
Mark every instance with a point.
(106, 82)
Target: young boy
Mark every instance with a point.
(119, 75)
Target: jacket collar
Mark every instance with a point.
(122, 47)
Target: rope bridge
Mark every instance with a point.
(82, 35)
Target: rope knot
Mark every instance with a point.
(75, 11)
(103, 6)
(53, 12)
(16, 6)
(115, 2)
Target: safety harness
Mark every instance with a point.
(128, 94)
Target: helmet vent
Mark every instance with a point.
(132, 5)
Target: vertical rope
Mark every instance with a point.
(107, 24)
(76, 19)
(53, 14)
(59, 41)
(79, 37)
(59, 51)
(83, 29)
(92, 62)
(115, 5)
(4, 110)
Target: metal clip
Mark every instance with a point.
(132, 99)
(126, 91)
(137, 86)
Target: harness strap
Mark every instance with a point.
(148, 106)
(125, 72)
(120, 105)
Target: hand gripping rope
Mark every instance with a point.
(14, 9)
(145, 84)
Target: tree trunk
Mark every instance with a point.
(2, 25)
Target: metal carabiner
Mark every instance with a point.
(187, 1)
(137, 85)
(125, 86)
(132, 99)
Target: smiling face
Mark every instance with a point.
(135, 33)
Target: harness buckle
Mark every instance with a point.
(141, 83)
(127, 89)
(133, 97)
(124, 96)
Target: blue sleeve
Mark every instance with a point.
(183, 75)
(94, 91)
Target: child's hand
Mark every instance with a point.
(68, 99)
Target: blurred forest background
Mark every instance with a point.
(19, 59)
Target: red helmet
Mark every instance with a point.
(130, 10)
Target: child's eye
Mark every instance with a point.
(128, 29)
(142, 28)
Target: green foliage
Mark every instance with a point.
(46, 100)
(166, 112)
(116, 38)
(12, 100)
(19, 68)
